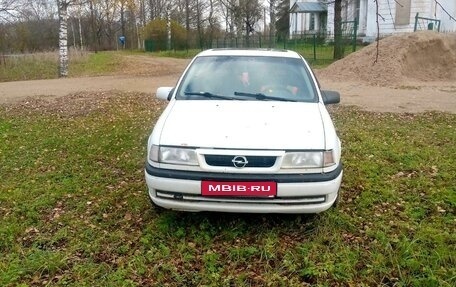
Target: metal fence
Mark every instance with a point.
(315, 47)
(423, 23)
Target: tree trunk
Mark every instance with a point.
(122, 18)
(211, 21)
(95, 38)
(338, 45)
(168, 28)
(80, 34)
(63, 38)
(151, 7)
(272, 24)
(199, 25)
(142, 13)
(187, 23)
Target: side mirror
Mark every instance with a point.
(165, 93)
(330, 97)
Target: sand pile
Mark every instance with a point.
(422, 56)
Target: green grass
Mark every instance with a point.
(75, 211)
(45, 65)
(94, 64)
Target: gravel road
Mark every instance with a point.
(145, 74)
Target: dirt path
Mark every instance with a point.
(411, 97)
(145, 74)
(16, 91)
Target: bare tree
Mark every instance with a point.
(79, 13)
(338, 45)
(37, 10)
(157, 8)
(272, 22)
(212, 19)
(242, 14)
(187, 21)
(9, 9)
(123, 4)
(93, 26)
(142, 12)
(227, 12)
(200, 7)
(63, 36)
(132, 22)
(249, 12)
(283, 16)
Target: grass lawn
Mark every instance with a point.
(38, 66)
(44, 65)
(74, 209)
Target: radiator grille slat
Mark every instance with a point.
(253, 161)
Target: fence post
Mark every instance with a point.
(355, 32)
(416, 22)
(315, 46)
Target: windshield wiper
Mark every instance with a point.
(208, 95)
(262, 97)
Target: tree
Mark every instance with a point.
(283, 22)
(40, 10)
(272, 22)
(338, 41)
(157, 30)
(242, 15)
(104, 19)
(212, 19)
(338, 45)
(63, 36)
(129, 12)
(249, 12)
(157, 8)
(79, 14)
(9, 9)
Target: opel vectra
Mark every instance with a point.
(245, 130)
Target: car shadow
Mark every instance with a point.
(244, 223)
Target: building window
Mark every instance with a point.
(402, 12)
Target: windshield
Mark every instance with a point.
(247, 78)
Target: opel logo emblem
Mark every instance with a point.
(239, 161)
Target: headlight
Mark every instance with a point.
(308, 159)
(173, 155)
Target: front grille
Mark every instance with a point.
(253, 161)
(279, 200)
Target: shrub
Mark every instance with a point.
(157, 32)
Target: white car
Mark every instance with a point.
(247, 131)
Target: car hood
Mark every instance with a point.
(243, 125)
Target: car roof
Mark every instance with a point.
(250, 52)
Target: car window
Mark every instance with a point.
(236, 77)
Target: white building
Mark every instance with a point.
(396, 16)
(308, 17)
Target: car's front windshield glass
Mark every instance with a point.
(247, 78)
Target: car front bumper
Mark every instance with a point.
(296, 193)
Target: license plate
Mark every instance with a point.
(239, 188)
